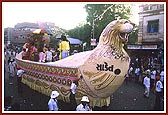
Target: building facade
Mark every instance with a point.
(150, 29)
(150, 45)
(21, 31)
(8, 35)
(151, 25)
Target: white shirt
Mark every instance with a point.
(146, 81)
(52, 105)
(127, 75)
(162, 76)
(5, 53)
(159, 86)
(14, 53)
(80, 107)
(73, 88)
(9, 52)
(153, 75)
(11, 67)
(15, 64)
(48, 55)
(20, 72)
(137, 70)
(130, 69)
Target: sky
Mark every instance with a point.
(66, 15)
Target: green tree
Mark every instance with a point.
(81, 32)
(54, 42)
(133, 38)
(99, 15)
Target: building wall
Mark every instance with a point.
(26, 25)
(8, 35)
(18, 34)
(149, 42)
(153, 37)
(150, 12)
(21, 31)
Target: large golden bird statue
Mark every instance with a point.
(103, 68)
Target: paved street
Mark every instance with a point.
(129, 97)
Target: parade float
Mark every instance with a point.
(102, 69)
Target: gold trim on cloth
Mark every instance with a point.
(46, 88)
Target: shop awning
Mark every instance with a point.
(74, 41)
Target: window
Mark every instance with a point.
(162, 6)
(153, 26)
(154, 7)
(146, 8)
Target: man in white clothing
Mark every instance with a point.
(137, 74)
(153, 77)
(146, 83)
(162, 75)
(73, 89)
(84, 106)
(12, 68)
(19, 79)
(49, 55)
(53, 103)
(158, 93)
(72, 94)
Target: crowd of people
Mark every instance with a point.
(16, 71)
(42, 52)
(150, 75)
(45, 53)
(144, 71)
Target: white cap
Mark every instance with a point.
(54, 94)
(148, 71)
(85, 98)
